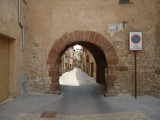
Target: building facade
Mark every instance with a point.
(88, 63)
(67, 61)
(78, 57)
(35, 33)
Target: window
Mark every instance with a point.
(123, 1)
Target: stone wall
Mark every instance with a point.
(48, 20)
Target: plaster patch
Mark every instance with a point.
(116, 27)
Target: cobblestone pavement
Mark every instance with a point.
(135, 115)
(81, 98)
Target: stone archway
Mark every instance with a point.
(61, 44)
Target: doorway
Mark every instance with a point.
(4, 69)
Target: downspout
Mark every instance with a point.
(20, 24)
(24, 75)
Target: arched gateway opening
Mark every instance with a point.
(101, 49)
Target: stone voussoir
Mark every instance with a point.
(77, 35)
(92, 36)
(86, 35)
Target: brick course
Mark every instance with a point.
(121, 68)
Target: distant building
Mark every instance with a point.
(78, 57)
(88, 63)
(67, 61)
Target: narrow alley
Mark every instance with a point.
(81, 98)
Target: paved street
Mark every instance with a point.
(81, 98)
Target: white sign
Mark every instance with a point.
(135, 40)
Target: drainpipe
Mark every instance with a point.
(19, 22)
(24, 75)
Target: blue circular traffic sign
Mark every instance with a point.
(135, 39)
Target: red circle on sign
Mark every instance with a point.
(135, 39)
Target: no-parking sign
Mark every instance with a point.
(135, 40)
